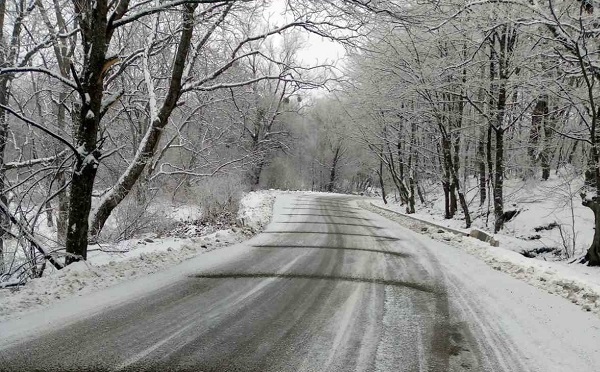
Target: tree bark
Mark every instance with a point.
(539, 115)
(446, 188)
(592, 183)
(593, 254)
(95, 41)
(481, 166)
(333, 169)
(7, 53)
(381, 183)
(61, 180)
(499, 182)
(448, 184)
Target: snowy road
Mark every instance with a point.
(328, 287)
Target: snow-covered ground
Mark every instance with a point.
(578, 283)
(551, 217)
(129, 259)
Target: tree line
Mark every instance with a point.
(474, 92)
(101, 101)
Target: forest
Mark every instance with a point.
(109, 108)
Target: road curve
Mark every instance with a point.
(327, 287)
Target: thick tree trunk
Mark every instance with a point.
(381, 183)
(482, 174)
(410, 206)
(4, 220)
(452, 188)
(593, 254)
(500, 59)
(4, 96)
(333, 169)
(62, 217)
(539, 115)
(400, 158)
(448, 183)
(412, 159)
(465, 208)
(446, 188)
(62, 214)
(453, 199)
(592, 184)
(80, 203)
(499, 182)
(256, 172)
(95, 40)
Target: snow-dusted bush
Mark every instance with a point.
(219, 197)
(137, 216)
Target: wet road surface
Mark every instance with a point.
(325, 288)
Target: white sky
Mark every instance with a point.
(317, 49)
(320, 50)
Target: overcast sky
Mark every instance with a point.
(317, 49)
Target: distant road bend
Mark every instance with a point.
(327, 287)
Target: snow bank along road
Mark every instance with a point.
(327, 287)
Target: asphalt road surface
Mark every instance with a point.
(328, 287)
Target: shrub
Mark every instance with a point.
(219, 197)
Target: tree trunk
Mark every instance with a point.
(333, 169)
(61, 180)
(410, 206)
(4, 220)
(539, 115)
(481, 165)
(593, 254)
(420, 193)
(4, 97)
(256, 172)
(398, 182)
(592, 183)
(448, 184)
(499, 182)
(465, 208)
(62, 217)
(446, 188)
(80, 203)
(381, 183)
(95, 41)
(453, 199)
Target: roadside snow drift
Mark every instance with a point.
(109, 265)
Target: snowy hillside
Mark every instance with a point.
(551, 222)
